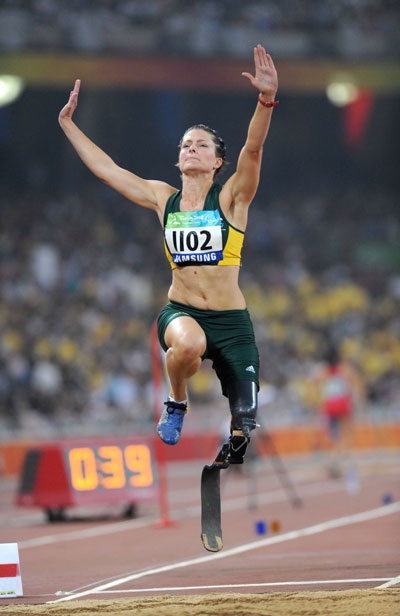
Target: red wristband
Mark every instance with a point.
(269, 104)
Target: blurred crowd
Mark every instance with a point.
(345, 28)
(83, 277)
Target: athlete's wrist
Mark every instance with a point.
(267, 101)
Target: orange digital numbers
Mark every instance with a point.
(110, 467)
(82, 462)
(138, 461)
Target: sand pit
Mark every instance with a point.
(338, 603)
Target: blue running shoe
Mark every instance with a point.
(171, 421)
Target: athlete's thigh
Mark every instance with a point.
(185, 330)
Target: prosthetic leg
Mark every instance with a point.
(242, 397)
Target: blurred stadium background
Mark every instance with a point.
(82, 270)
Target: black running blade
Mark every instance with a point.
(211, 533)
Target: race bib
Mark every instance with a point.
(194, 237)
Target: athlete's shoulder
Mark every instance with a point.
(162, 190)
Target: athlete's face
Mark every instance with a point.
(197, 153)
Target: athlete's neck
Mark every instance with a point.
(194, 191)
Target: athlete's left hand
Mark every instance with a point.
(266, 77)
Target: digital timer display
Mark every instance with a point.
(90, 471)
(110, 467)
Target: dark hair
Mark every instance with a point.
(332, 356)
(220, 148)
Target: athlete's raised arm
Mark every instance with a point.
(147, 193)
(243, 185)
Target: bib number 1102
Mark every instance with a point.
(190, 241)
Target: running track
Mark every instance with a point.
(338, 539)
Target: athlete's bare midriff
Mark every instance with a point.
(207, 287)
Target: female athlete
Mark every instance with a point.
(204, 224)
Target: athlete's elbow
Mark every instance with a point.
(254, 150)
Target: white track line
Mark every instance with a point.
(260, 585)
(228, 504)
(231, 504)
(391, 582)
(86, 533)
(247, 547)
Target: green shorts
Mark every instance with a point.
(230, 340)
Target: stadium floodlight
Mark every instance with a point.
(11, 87)
(342, 91)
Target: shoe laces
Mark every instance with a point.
(175, 406)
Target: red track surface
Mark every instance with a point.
(83, 554)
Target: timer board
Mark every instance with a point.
(68, 473)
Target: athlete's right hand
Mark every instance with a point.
(68, 110)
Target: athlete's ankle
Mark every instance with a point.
(237, 448)
(172, 399)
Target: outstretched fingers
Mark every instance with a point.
(69, 108)
(265, 78)
(259, 64)
(270, 62)
(75, 91)
(260, 57)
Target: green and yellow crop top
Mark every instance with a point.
(202, 237)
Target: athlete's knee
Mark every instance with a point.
(242, 397)
(188, 348)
